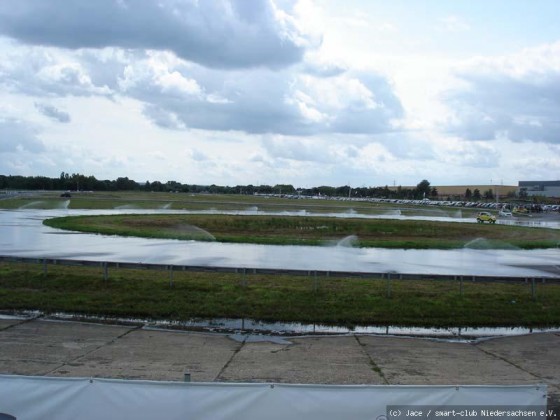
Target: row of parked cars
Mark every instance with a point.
(443, 203)
(531, 208)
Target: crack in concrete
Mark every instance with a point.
(372, 363)
(87, 353)
(23, 321)
(237, 350)
(489, 353)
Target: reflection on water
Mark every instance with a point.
(23, 234)
(296, 328)
(250, 326)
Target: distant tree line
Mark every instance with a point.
(476, 195)
(79, 182)
(66, 182)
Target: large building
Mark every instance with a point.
(541, 188)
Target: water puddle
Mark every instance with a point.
(23, 234)
(251, 326)
(240, 329)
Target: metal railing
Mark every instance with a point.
(316, 275)
(106, 265)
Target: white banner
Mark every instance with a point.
(42, 398)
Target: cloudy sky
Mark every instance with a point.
(306, 92)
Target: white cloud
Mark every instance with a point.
(176, 82)
(259, 101)
(197, 155)
(273, 91)
(17, 136)
(516, 97)
(45, 72)
(453, 24)
(472, 154)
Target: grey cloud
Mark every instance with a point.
(53, 112)
(198, 156)
(162, 118)
(104, 67)
(406, 146)
(253, 102)
(358, 116)
(38, 72)
(179, 94)
(324, 69)
(15, 136)
(473, 154)
(520, 109)
(224, 34)
(305, 150)
(260, 101)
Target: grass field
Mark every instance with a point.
(301, 230)
(341, 301)
(182, 201)
(348, 302)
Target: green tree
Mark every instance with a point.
(476, 194)
(343, 191)
(125, 184)
(284, 189)
(423, 189)
(324, 190)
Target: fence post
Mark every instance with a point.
(389, 285)
(315, 285)
(170, 268)
(533, 289)
(105, 271)
(44, 267)
(461, 285)
(244, 279)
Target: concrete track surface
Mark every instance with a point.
(43, 347)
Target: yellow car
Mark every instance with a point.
(484, 216)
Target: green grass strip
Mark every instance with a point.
(337, 301)
(286, 230)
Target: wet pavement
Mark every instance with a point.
(73, 349)
(23, 234)
(255, 328)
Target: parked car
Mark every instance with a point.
(484, 216)
(505, 213)
(66, 194)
